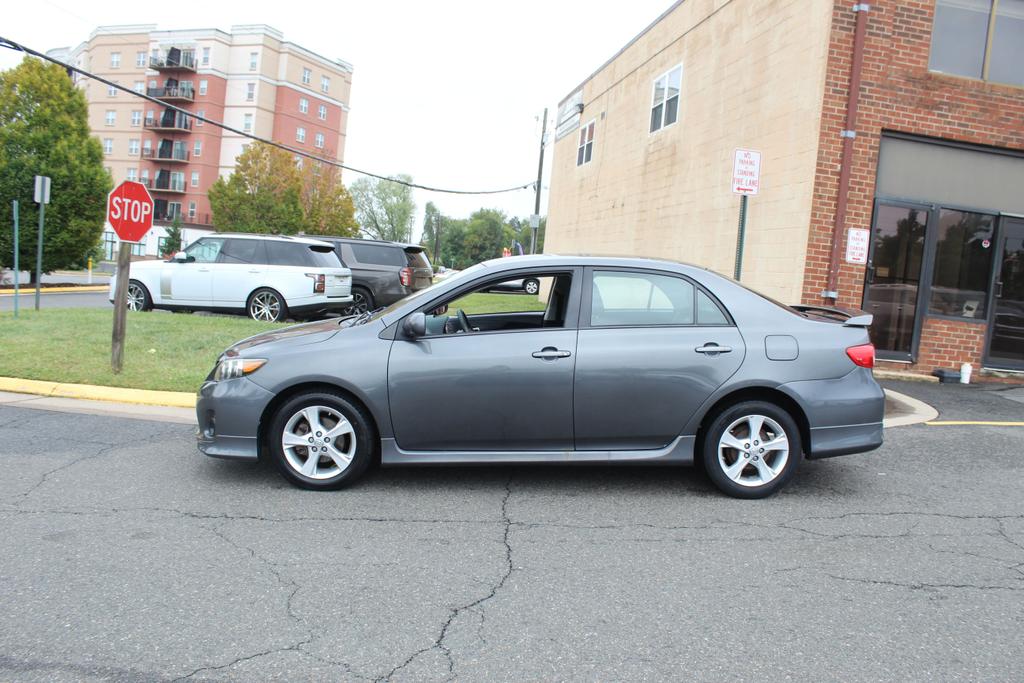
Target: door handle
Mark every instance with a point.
(204, 270)
(254, 271)
(550, 353)
(999, 289)
(713, 349)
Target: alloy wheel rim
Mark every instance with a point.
(753, 450)
(532, 287)
(265, 306)
(359, 304)
(135, 298)
(318, 442)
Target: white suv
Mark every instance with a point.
(269, 277)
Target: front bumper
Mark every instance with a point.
(844, 415)
(228, 413)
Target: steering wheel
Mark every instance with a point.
(464, 321)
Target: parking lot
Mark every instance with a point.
(128, 556)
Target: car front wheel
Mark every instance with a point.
(321, 440)
(751, 449)
(531, 286)
(267, 306)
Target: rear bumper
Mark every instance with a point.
(228, 413)
(312, 306)
(844, 415)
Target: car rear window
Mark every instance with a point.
(417, 258)
(379, 254)
(298, 254)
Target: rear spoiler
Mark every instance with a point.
(850, 317)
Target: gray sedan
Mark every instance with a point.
(618, 360)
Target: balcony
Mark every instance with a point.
(162, 184)
(170, 123)
(175, 93)
(169, 155)
(184, 61)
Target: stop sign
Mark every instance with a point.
(130, 211)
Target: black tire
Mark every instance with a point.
(264, 295)
(745, 477)
(363, 432)
(531, 286)
(143, 297)
(362, 301)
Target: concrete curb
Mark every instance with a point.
(56, 290)
(919, 411)
(175, 399)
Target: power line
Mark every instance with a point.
(10, 44)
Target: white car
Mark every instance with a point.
(268, 277)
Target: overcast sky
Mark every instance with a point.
(448, 91)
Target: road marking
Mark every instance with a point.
(983, 423)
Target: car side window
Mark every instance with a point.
(621, 298)
(525, 302)
(241, 251)
(287, 253)
(379, 254)
(708, 312)
(204, 250)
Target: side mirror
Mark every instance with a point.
(415, 326)
(180, 257)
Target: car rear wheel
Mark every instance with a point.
(321, 440)
(751, 449)
(362, 301)
(138, 297)
(267, 306)
(531, 286)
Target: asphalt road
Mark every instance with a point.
(27, 300)
(126, 555)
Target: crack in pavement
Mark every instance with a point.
(454, 613)
(923, 586)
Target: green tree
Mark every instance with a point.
(172, 240)
(384, 209)
(485, 235)
(44, 130)
(264, 194)
(522, 232)
(327, 206)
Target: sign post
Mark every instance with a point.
(130, 213)
(42, 198)
(746, 181)
(17, 273)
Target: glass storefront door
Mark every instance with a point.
(893, 285)
(1006, 329)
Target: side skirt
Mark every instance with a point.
(679, 452)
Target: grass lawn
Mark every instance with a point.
(167, 351)
(496, 303)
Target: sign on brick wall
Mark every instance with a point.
(857, 245)
(746, 172)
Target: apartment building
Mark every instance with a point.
(249, 77)
(897, 124)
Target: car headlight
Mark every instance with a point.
(232, 368)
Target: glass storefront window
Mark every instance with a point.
(963, 264)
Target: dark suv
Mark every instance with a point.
(382, 272)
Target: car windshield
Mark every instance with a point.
(424, 293)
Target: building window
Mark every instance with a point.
(253, 57)
(979, 39)
(147, 146)
(206, 56)
(963, 263)
(140, 59)
(250, 92)
(195, 179)
(108, 146)
(115, 60)
(139, 87)
(247, 124)
(298, 162)
(137, 118)
(139, 248)
(202, 86)
(325, 84)
(173, 210)
(303, 105)
(300, 134)
(111, 117)
(131, 173)
(319, 141)
(307, 76)
(586, 147)
(665, 101)
(144, 176)
(201, 113)
(192, 208)
(111, 90)
(322, 112)
(197, 148)
(133, 148)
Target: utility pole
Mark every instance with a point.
(535, 220)
(437, 237)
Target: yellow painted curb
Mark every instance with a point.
(177, 399)
(57, 290)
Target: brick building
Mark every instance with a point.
(901, 118)
(250, 78)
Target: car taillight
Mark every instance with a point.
(319, 282)
(863, 355)
(405, 276)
